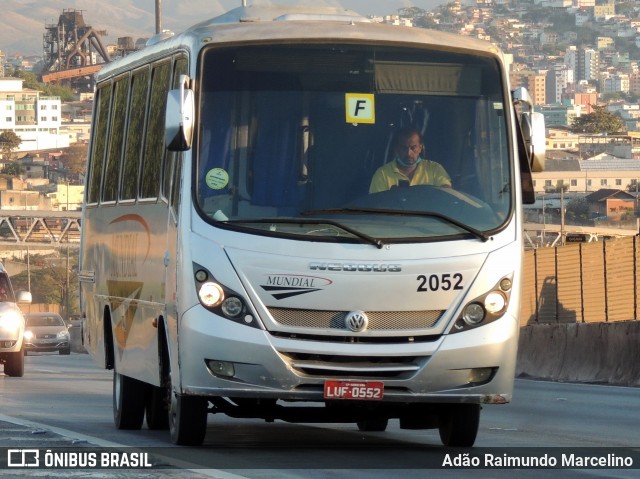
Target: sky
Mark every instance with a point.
(22, 22)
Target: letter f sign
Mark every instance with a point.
(360, 108)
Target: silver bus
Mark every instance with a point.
(293, 213)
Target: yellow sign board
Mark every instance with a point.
(360, 108)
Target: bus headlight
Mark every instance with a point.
(232, 307)
(211, 294)
(486, 308)
(473, 313)
(222, 300)
(495, 302)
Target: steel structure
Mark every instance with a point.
(71, 45)
(39, 228)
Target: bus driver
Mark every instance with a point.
(408, 167)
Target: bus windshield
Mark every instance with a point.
(353, 143)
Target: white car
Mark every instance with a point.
(12, 325)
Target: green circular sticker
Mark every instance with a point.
(217, 178)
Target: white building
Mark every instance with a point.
(36, 119)
(585, 176)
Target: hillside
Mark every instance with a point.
(22, 23)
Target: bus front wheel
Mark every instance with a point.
(187, 419)
(458, 425)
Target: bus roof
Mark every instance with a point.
(296, 24)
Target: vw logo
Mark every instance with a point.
(356, 321)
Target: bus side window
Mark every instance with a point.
(154, 138)
(99, 146)
(116, 139)
(133, 149)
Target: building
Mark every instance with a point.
(556, 115)
(587, 176)
(558, 79)
(612, 204)
(35, 118)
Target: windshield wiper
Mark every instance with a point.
(470, 229)
(365, 237)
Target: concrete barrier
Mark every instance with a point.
(585, 352)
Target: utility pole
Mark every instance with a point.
(158, 16)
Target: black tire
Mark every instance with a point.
(458, 425)
(157, 408)
(65, 352)
(373, 425)
(14, 365)
(187, 419)
(128, 402)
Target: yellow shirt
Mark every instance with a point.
(427, 173)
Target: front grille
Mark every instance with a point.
(378, 320)
(355, 367)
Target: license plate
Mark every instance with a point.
(364, 390)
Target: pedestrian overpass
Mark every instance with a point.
(39, 228)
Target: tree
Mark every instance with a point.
(30, 80)
(75, 158)
(600, 121)
(13, 169)
(52, 282)
(633, 186)
(578, 212)
(9, 142)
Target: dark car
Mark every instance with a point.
(46, 332)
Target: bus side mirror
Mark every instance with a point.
(533, 130)
(534, 136)
(178, 130)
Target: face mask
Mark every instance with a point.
(399, 161)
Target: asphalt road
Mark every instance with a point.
(66, 401)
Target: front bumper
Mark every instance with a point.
(267, 366)
(47, 346)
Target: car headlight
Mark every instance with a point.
(28, 335)
(486, 308)
(11, 321)
(63, 335)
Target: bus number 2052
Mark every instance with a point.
(437, 282)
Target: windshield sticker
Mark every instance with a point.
(282, 286)
(360, 108)
(217, 178)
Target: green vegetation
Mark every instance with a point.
(9, 142)
(51, 281)
(31, 81)
(600, 121)
(12, 169)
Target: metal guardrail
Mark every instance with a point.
(537, 234)
(39, 227)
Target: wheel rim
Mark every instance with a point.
(117, 391)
